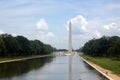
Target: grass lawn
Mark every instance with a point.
(21, 57)
(12, 58)
(107, 63)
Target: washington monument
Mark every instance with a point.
(70, 38)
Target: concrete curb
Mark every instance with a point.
(105, 75)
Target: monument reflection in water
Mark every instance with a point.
(70, 67)
(70, 51)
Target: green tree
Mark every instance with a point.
(12, 45)
(2, 48)
(114, 51)
(24, 45)
(105, 46)
(36, 47)
(21, 46)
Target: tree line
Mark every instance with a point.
(20, 46)
(103, 47)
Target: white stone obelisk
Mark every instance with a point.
(70, 38)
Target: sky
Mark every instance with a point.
(48, 20)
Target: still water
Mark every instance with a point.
(49, 68)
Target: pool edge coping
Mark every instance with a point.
(91, 64)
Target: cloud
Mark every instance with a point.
(112, 26)
(45, 36)
(43, 32)
(112, 29)
(79, 24)
(13, 34)
(97, 34)
(42, 25)
(83, 30)
(2, 32)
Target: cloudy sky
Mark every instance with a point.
(47, 20)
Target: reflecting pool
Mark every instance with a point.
(49, 68)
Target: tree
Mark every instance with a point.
(3, 49)
(47, 49)
(36, 47)
(21, 46)
(114, 51)
(11, 45)
(24, 45)
(103, 47)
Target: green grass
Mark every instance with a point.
(107, 63)
(21, 57)
(10, 58)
